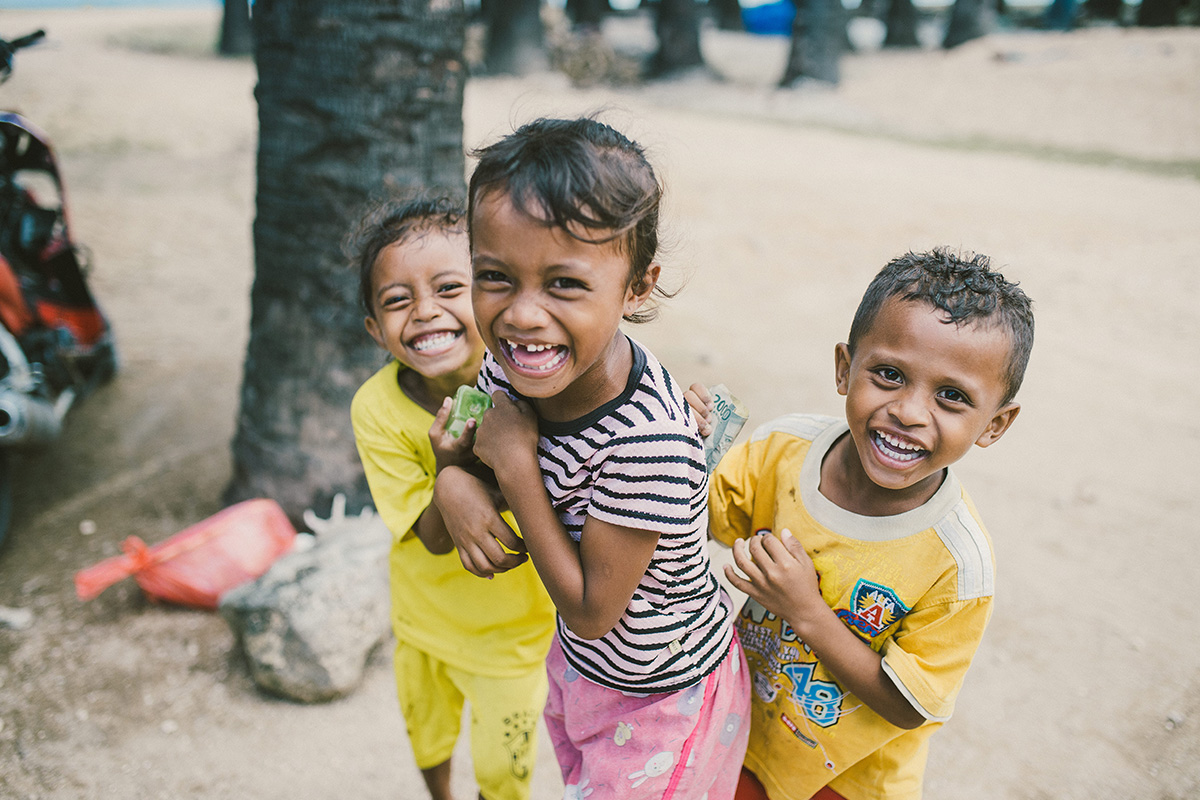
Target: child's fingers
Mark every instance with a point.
(471, 563)
(509, 539)
(737, 581)
(443, 415)
(792, 543)
(763, 550)
(701, 404)
(701, 392)
(744, 560)
(788, 545)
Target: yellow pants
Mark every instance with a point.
(504, 718)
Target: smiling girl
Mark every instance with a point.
(457, 638)
(594, 448)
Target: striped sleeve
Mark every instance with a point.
(649, 479)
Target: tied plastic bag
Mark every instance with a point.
(200, 563)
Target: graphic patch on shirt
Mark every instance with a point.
(875, 609)
(820, 701)
(791, 726)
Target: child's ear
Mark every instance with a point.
(841, 367)
(998, 424)
(373, 329)
(639, 290)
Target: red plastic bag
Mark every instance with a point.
(200, 563)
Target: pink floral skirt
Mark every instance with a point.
(685, 745)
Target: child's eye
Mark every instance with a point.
(451, 288)
(954, 396)
(490, 276)
(567, 284)
(889, 374)
(395, 301)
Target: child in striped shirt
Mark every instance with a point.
(595, 450)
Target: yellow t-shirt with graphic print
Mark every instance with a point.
(499, 627)
(917, 587)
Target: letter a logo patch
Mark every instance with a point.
(875, 609)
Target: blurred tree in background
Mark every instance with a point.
(356, 98)
(236, 36)
(677, 27)
(515, 41)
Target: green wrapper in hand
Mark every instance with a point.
(469, 403)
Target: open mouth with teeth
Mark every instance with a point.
(895, 448)
(535, 358)
(434, 342)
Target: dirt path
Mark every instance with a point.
(1073, 160)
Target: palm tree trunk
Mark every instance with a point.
(356, 98)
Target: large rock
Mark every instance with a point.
(309, 623)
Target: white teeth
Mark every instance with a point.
(532, 348)
(553, 363)
(913, 451)
(436, 340)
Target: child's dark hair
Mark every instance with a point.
(578, 174)
(966, 288)
(395, 221)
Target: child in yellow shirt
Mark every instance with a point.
(871, 588)
(457, 637)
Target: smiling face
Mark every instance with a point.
(421, 306)
(549, 307)
(919, 392)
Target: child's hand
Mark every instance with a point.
(473, 521)
(447, 450)
(508, 436)
(779, 575)
(702, 405)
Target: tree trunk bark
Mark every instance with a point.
(727, 14)
(587, 15)
(818, 34)
(1104, 9)
(677, 26)
(1158, 13)
(236, 36)
(515, 41)
(901, 24)
(966, 23)
(356, 99)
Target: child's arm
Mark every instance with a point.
(590, 582)
(781, 577)
(473, 513)
(469, 515)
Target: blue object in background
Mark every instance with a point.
(769, 19)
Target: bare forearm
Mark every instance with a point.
(856, 666)
(430, 528)
(554, 553)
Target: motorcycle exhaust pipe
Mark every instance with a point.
(27, 420)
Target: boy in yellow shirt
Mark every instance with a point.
(457, 637)
(871, 588)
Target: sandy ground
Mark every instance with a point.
(1073, 160)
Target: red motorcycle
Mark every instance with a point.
(55, 344)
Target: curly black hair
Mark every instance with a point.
(966, 288)
(394, 221)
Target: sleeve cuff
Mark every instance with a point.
(946, 709)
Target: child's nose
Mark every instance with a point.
(909, 409)
(427, 308)
(526, 312)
